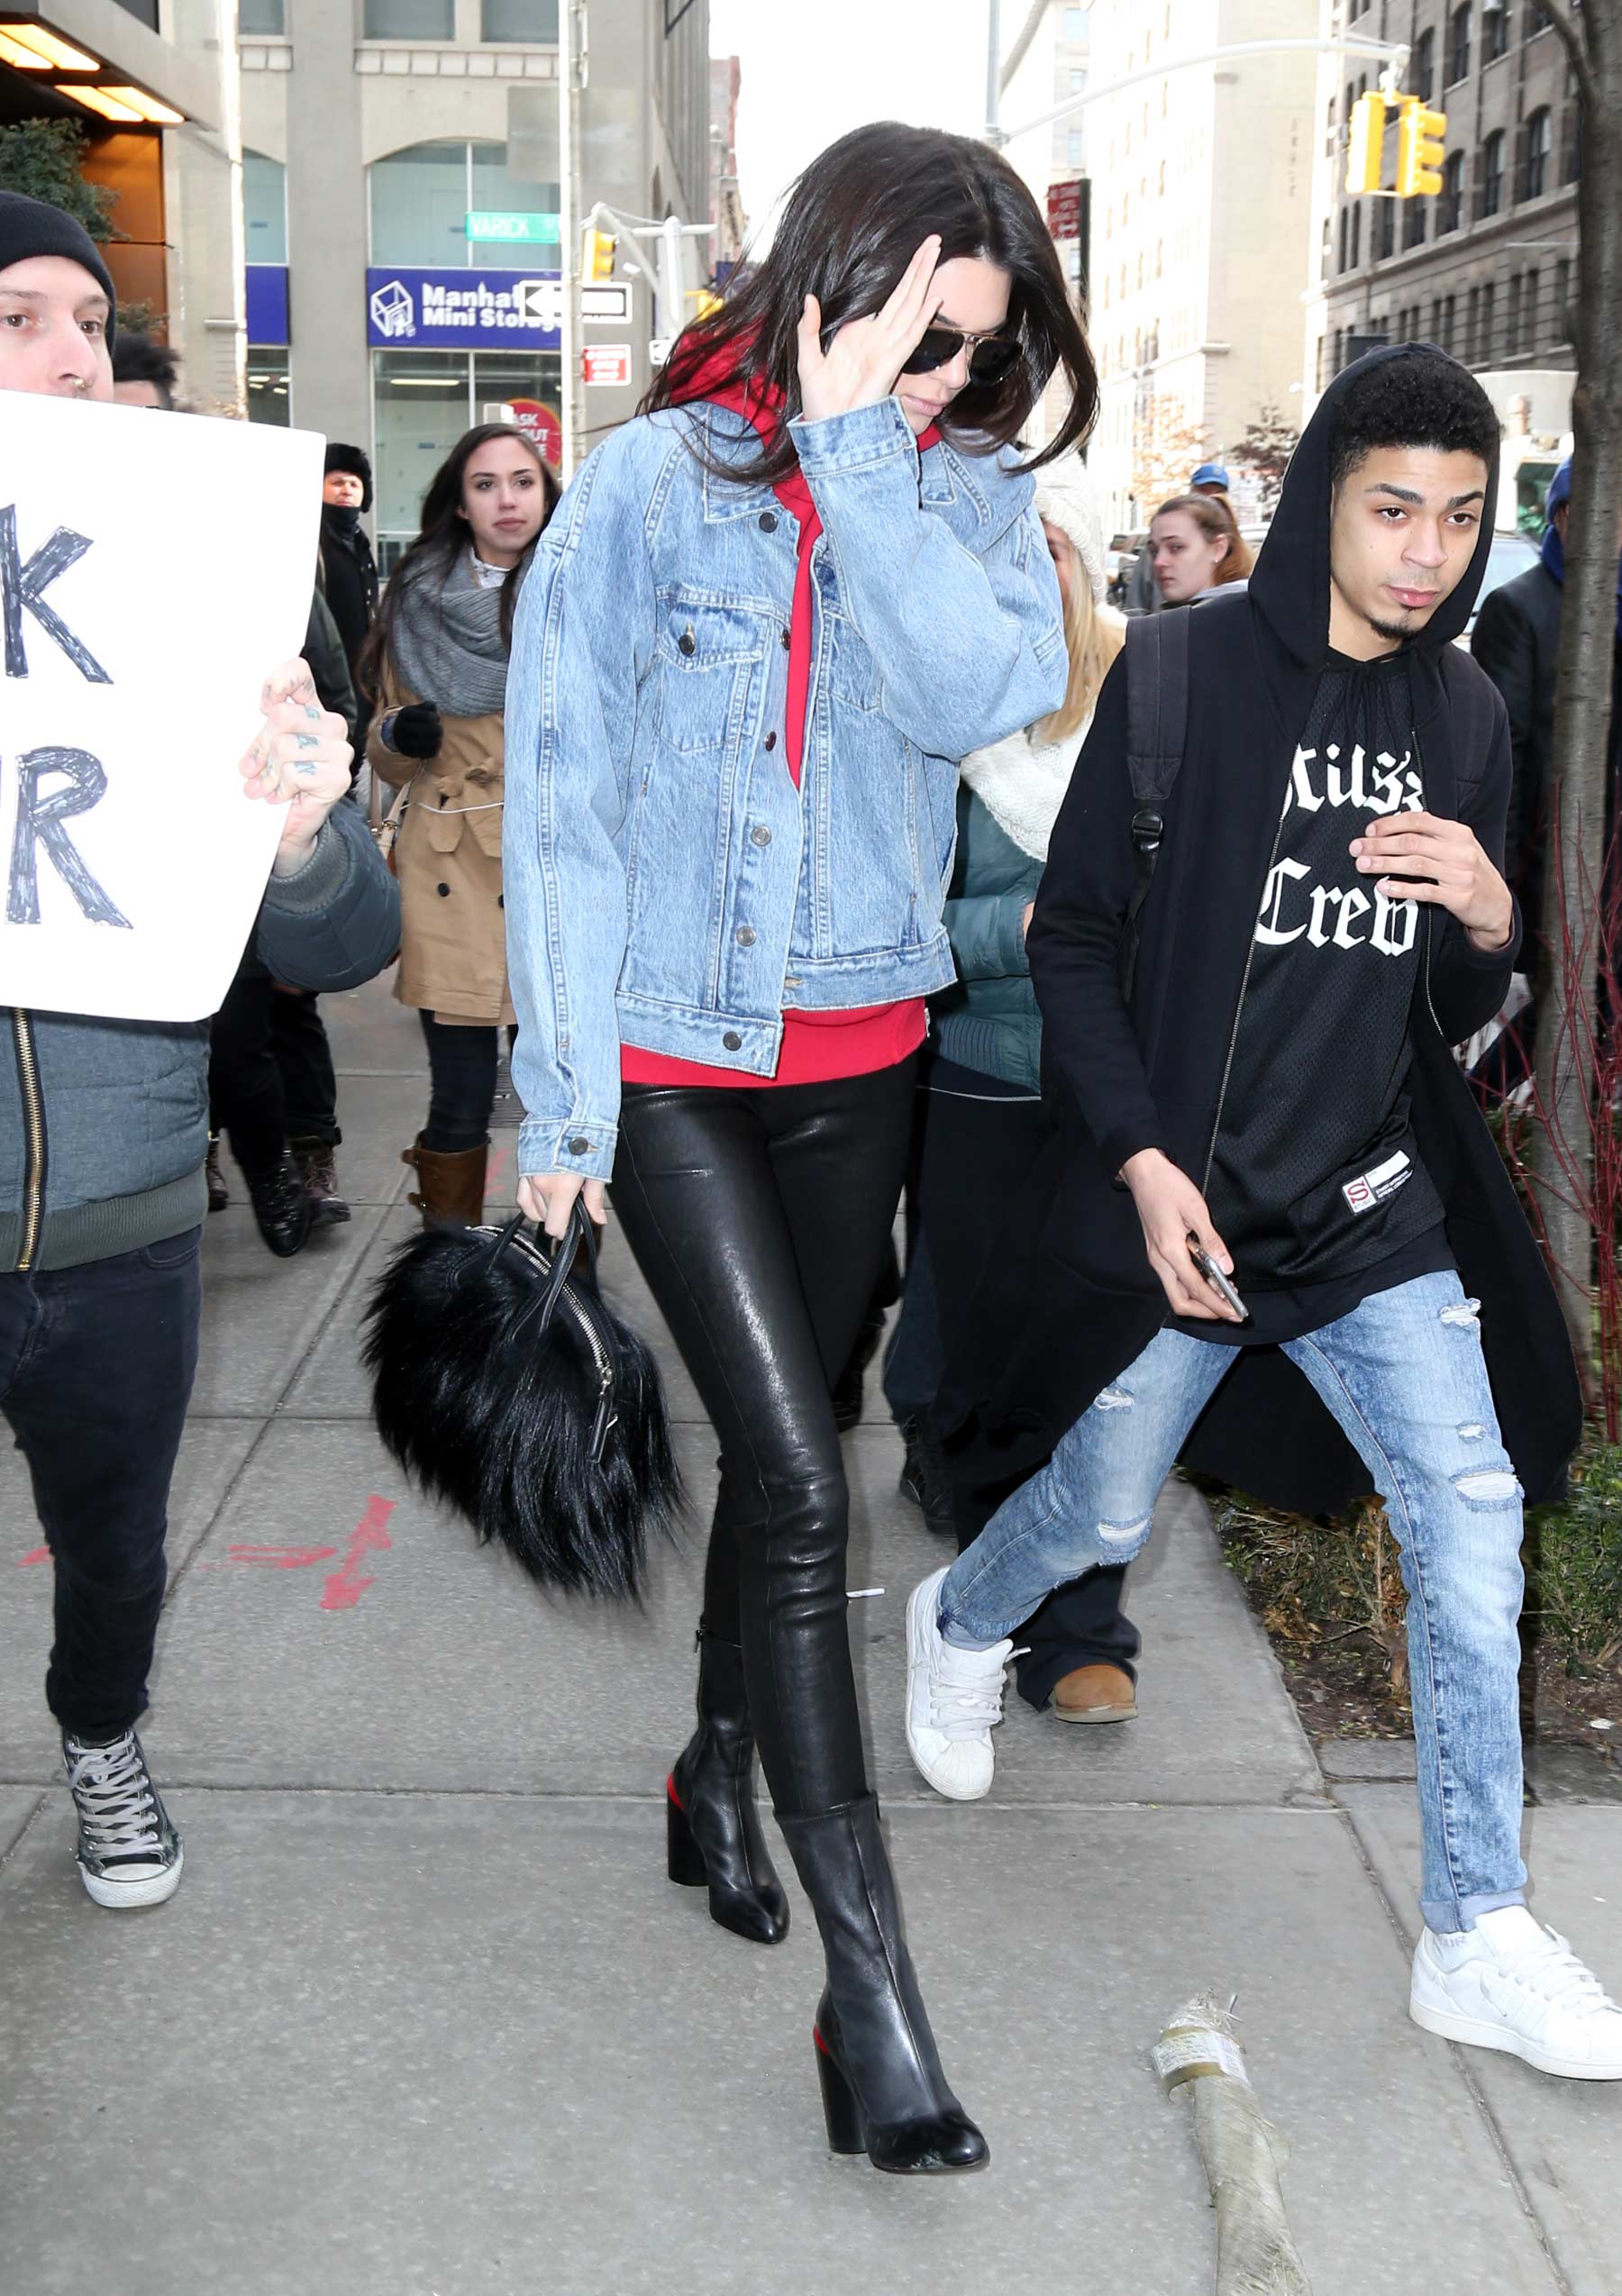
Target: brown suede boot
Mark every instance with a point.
(453, 1186)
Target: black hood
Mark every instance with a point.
(1290, 582)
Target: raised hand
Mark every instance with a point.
(1419, 857)
(864, 360)
(300, 758)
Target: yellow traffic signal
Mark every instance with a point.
(1365, 143)
(1420, 148)
(597, 256)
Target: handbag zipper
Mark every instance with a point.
(33, 1125)
(605, 1418)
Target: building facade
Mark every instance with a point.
(1486, 267)
(1045, 59)
(377, 134)
(1201, 220)
(726, 204)
(153, 83)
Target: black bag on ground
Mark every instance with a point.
(506, 1387)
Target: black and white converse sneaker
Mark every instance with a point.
(129, 1854)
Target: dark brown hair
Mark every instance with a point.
(444, 536)
(853, 224)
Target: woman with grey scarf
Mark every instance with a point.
(438, 659)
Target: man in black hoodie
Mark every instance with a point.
(1279, 1107)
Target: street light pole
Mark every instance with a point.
(1392, 54)
(993, 67)
(571, 43)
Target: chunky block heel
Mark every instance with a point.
(846, 2132)
(684, 1860)
(883, 2091)
(713, 1828)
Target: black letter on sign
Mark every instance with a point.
(23, 586)
(41, 820)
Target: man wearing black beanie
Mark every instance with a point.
(103, 1131)
(349, 572)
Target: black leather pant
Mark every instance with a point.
(760, 1218)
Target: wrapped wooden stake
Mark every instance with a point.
(1241, 2150)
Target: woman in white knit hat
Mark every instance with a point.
(979, 1110)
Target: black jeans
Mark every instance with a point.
(462, 1064)
(760, 1218)
(974, 1148)
(95, 1372)
(246, 1099)
(298, 1041)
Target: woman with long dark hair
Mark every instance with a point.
(772, 615)
(439, 661)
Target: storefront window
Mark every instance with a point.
(531, 378)
(421, 404)
(424, 402)
(269, 399)
(420, 198)
(264, 207)
(419, 204)
(489, 186)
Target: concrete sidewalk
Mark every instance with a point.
(426, 2018)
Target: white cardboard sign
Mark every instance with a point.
(154, 569)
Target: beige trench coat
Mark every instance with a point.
(447, 858)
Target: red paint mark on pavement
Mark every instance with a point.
(36, 1555)
(279, 1558)
(496, 1172)
(345, 1587)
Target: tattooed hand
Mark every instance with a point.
(300, 758)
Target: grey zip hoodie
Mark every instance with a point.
(103, 1123)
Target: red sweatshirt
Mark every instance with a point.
(820, 1046)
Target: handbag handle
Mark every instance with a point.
(579, 1234)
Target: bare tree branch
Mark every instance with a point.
(1568, 27)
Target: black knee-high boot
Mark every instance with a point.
(883, 2091)
(712, 1826)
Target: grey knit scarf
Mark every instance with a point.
(446, 641)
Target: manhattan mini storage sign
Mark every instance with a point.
(467, 310)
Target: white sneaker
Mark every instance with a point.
(1509, 1983)
(954, 1699)
(129, 1854)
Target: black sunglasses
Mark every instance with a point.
(992, 357)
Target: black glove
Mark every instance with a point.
(415, 731)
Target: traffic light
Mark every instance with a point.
(1365, 143)
(1419, 149)
(597, 256)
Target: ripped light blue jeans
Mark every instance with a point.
(1405, 1376)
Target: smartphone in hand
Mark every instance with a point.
(1214, 1276)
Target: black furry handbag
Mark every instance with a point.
(503, 1383)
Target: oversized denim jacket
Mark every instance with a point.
(666, 883)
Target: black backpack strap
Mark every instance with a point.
(1157, 728)
(1157, 701)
